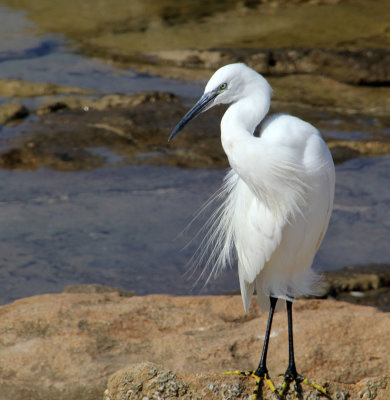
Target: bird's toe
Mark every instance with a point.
(296, 380)
(259, 378)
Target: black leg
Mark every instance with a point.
(261, 372)
(291, 375)
(262, 368)
(291, 369)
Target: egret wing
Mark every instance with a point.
(241, 228)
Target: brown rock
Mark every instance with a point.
(65, 346)
(106, 102)
(11, 112)
(336, 26)
(149, 381)
(20, 88)
(134, 128)
(363, 66)
(358, 278)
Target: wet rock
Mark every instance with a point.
(343, 150)
(135, 128)
(33, 155)
(365, 285)
(52, 107)
(105, 102)
(333, 26)
(358, 278)
(17, 159)
(75, 126)
(12, 112)
(76, 345)
(342, 153)
(20, 88)
(323, 94)
(358, 67)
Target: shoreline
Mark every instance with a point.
(81, 345)
(361, 285)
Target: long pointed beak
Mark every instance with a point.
(201, 105)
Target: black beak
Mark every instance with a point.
(200, 106)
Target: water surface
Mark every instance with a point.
(26, 53)
(121, 227)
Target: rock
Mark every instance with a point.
(358, 278)
(133, 129)
(34, 154)
(369, 285)
(363, 66)
(12, 112)
(343, 150)
(70, 130)
(67, 346)
(95, 288)
(20, 88)
(279, 35)
(150, 381)
(106, 102)
(318, 92)
(145, 379)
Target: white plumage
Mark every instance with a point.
(278, 196)
(276, 204)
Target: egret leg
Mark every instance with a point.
(261, 373)
(291, 375)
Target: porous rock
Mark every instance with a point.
(75, 345)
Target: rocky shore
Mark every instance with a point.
(136, 127)
(325, 71)
(92, 342)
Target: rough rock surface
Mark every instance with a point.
(320, 64)
(364, 66)
(66, 346)
(136, 128)
(146, 381)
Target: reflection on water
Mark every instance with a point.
(120, 227)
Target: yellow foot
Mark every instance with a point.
(258, 379)
(296, 381)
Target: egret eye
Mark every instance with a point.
(223, 86)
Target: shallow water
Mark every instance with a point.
(120, 227)
(27, 54)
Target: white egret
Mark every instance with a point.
(278, 201)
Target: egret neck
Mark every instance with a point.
(239, 123)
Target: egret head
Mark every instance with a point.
(228, 84)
